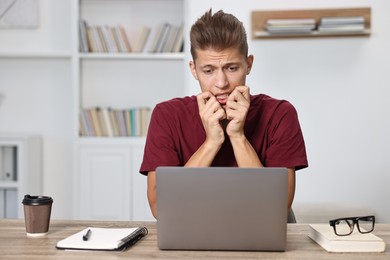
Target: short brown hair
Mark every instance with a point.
(219, 31)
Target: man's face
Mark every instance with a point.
(220, 72)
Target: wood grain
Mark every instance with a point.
(259, 19)
(14, 244)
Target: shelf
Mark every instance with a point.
(27, 55)
(9, 185)
(119, 140)
(133, 56)
(259, 19)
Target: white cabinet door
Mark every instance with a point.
(141, 209)
(105, 183)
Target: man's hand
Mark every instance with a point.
(237, 107)
(211, 113)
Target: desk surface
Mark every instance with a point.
(15, 245)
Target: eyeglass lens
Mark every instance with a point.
(345, 227)
(365, 224)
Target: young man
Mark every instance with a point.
(223, 125)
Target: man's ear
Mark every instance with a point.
(193, 71)
(249, 63)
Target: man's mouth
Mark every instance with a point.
(222, 98)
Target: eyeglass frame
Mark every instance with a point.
(355, 221)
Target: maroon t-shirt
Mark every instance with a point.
(272, 127)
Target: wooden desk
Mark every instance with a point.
(15, 245)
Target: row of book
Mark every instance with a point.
(345, 24)
(164, 38)
(102, 121)
(353, 24)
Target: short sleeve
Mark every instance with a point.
(159, 147)
(286, 146)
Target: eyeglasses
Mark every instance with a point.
(344, 226)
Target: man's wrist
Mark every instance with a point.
(237, 139)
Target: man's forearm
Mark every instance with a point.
(204, 156)
(246, 156)
(244, 153)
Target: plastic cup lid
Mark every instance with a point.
(37, 200)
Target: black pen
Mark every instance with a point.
(87, 235)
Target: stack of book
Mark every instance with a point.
(290, 26)
(345, 24)
(103, 121)
(164, 38)
(103, 38)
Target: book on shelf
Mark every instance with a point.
(144, 120)
(102, 121)
(105, 121)
(123, 41)
(163, 38)
(289, 22)
(170, 41)
(119, 114)
(348, 28)
(114, 122)
(83, 125)
(111, 39)
(141, 38)
(96, 122)
(157, 34)
(166, 38)
(95, 39)
(179, 40)
(342, 20)
(353, 24)
(100, 39)
(290, 26)
(83, 36)
(92, 45)
(127, 116)
(87, 125)
(100, 238)
(324, 235)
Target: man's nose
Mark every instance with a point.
(221, 79)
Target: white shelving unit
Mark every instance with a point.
(106, 181)
(20, 172)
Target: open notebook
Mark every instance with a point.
(103, 238)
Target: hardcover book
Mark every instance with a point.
(324, 235)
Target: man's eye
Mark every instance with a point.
(232, 68)
(207, 71)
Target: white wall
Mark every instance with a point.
(340, 87)
(38, 95)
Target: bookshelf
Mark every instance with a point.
(259, 21)
(119, 80)
(20, 172)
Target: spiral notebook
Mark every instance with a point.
(221, 208)
(94, 238)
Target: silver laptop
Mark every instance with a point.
(218, 208)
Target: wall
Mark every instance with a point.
(340, 87)
(37, 95)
